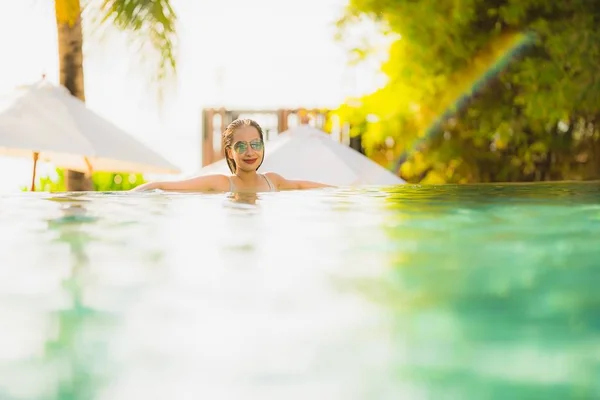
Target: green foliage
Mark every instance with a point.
(103, 182)
(534, 120)
(108, 181)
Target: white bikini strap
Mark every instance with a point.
(271, 187)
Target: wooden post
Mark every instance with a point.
(226, 119)
(207, 125)
(282, 120)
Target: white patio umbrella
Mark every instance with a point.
(307, 153)
(45, 121)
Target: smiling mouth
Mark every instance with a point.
(251, 161)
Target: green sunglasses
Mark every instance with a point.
(241, 147)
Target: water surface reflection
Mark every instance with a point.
(445, 292)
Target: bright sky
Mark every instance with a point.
(268, 53)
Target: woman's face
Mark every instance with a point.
(247, 149)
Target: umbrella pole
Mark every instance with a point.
(36, 155)
(90, 171)
(89, 165)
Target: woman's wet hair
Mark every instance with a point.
(227, 139)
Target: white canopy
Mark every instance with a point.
(307, 153)
(46, 119)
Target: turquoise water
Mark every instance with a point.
(443, 292)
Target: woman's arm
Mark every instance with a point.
(199, 183)
(286, 184)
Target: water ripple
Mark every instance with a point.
(445, 292)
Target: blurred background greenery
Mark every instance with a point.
(533, 121)
(102, 181)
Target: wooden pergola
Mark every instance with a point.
(273, 121)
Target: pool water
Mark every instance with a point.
(411, 292)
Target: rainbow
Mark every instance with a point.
(489, 65)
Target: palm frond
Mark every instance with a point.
(153, 24)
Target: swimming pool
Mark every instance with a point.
(413, 292)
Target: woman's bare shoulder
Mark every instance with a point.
(273, 176)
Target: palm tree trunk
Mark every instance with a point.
(70, 56)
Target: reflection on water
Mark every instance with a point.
(243, 198)
(443, 292)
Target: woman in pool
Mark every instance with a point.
(244, 152)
